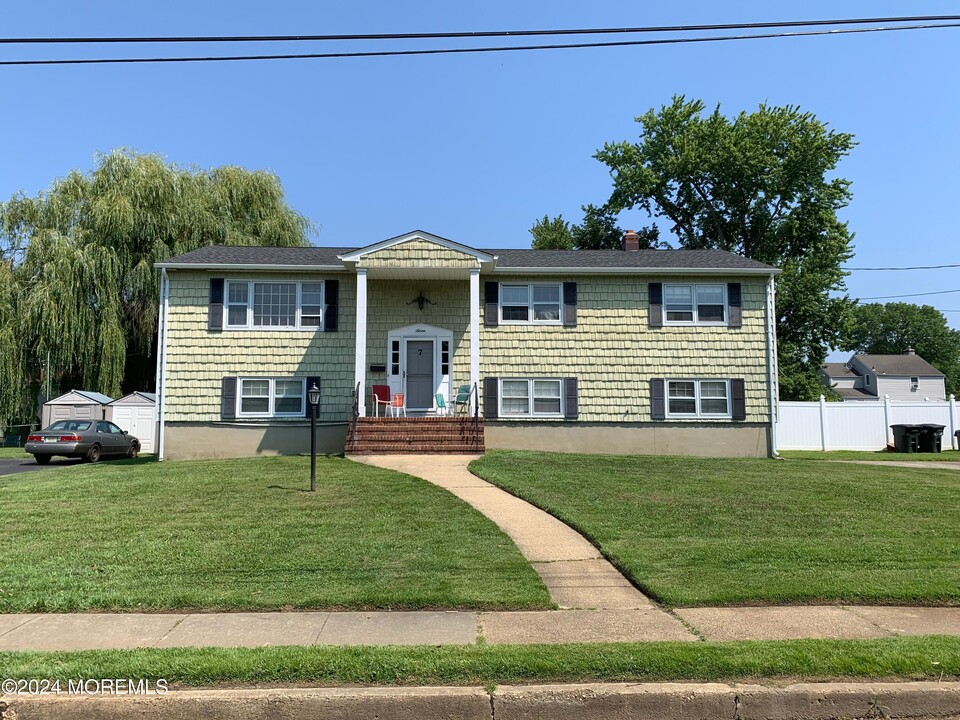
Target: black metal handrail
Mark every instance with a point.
(355, 414)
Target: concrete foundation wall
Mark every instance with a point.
(707, 440)
(206, 441)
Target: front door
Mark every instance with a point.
(420, 383)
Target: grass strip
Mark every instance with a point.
(945, 456)
(906, 658)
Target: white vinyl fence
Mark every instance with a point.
(863, 425)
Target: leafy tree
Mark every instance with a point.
(890, 328)
(81, 281)
(757, 185)
(551, 234)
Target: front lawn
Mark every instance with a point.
(244, 534)
(905, 658)
(13, 452)
(945, 456)
(713, 531)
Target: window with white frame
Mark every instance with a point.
(273, 305)
(530, 303)
(698, 398)
(531, 398)
(271, 397)
(700, 304)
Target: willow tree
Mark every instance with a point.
(82, 256)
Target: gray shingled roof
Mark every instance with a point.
(506, 258)
(854, 393)
(905, 365)
(838, 370)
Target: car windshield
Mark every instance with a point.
(75, 425)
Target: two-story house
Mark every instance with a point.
(610, 351)
(873, 377)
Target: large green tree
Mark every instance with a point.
(598, 231)
(759, 184)
(893, 327)
(79, 277)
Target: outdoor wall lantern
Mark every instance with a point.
(420, 300)
(313, 397)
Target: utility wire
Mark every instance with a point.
(911, 267)
(888, 297)
(479, 33)
(450, 51)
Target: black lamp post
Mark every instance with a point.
(313, 397)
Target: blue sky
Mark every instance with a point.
(476, 147)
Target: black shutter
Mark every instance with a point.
(215, 310)
(658, 401)
(228, 398)
(331, 315)
(655, 291)
(739, 400)
(571, 408)
(491, 306)
(733, 302)
(306, 399)
(570, 304)
(490, 404)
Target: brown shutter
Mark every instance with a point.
(215, 309)
(570, 304)
(306, 400)
(739, 400)
(733, 303)
(491, 307)
(655, 292)
(331, 314)
(571, 408)
(658, 401)
(228, 398)
(490, 404)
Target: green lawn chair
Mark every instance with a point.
(463, 398)
(442, 408)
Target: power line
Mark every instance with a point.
(888, 297)
(450, 51)
(478, 33)
(910, 267)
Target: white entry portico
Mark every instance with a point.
(419, 357)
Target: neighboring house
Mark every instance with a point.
(873, 377)
(615, 351)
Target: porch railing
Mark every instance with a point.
(355, 413)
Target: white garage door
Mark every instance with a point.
(139, 422)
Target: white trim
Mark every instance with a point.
(271, 397)
(356, 255)
(297, 310)
(698, 414)
(695, 306)
(531, 413)
(574, 270)
(360, 356)
(474, 334)
(773, 388)
(249, 267)
(530, 304)
(162, 379)
(421, 331)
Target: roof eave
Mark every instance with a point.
(633, 271)
(248, 267)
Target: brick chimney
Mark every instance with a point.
(631, 241)
(909, 351)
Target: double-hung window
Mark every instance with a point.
(536, 303)
(700, 304)
(272, 305)
(531, 398)
(698, 398)
(271, 397)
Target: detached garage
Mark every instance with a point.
(74, 405)
(137, 414)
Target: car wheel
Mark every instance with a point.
(93, 454)
(133, 450)
(43, 459)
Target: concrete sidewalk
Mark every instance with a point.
(103, 631)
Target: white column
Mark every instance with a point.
(953, 419)
(360, 360)
(475, 329)
(823, 423)
(887, 432)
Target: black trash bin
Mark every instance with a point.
(931, 437)
(906, 438)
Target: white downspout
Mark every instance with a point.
(162, 358)
(773, 391)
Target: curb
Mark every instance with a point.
(609, 701)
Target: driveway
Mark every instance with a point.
(12, 466)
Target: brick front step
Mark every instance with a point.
(416, 435)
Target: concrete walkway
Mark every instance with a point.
(574, 571)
